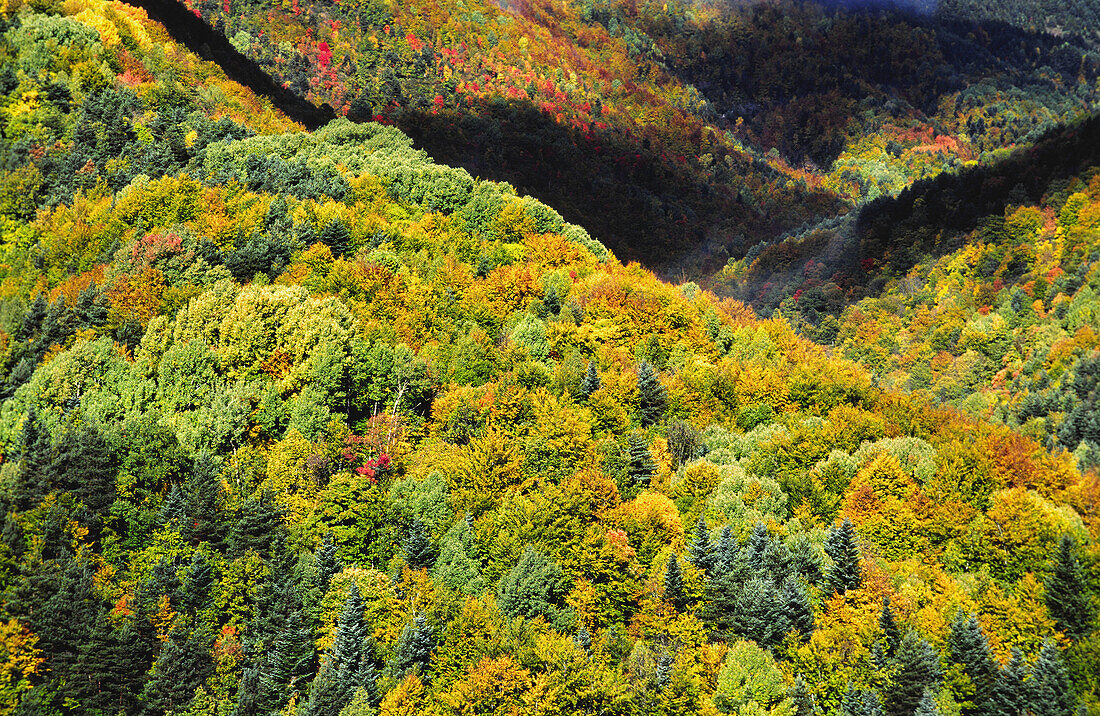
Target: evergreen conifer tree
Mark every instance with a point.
(1067, 593)
(918, 668)
(802, 701)
(183, 664)
(757, 544)
(860, 702)
(701, 553)
(726, 552)
(203, 495)
(652, 396)
(591, 382)
(1010, 691)
(795, 609)
(889, 626)
(535, 586)
(32, 483)
(334, 234)
(414, 647)
(199, 580)
(640, 464)
(842, 547)
(662, 672)
(1051, 691)
(248, 691)
(583, 639)
(420, 551)
(328, 565)
(287, 665)
(757, 614)
(806, 560)
(970, 648)
(674, 583)
(927, 705)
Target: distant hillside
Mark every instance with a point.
(1062, 18)
(681, 134)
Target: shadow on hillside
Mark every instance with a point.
(656, 210)
(209, 44)
(799, 73)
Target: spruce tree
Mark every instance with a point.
(726, 552)
(842, 547)
(652, 396)
(802, 701)
(756, 546)
(334, 234)
(927, 705)
(889, 627)
(860, 702)
(1067, 593)
(248, 692)
(1010, 691)
(969, 647)
(536, 586)
(1051, 691)
(674, 583)
(328, 565)
(806, 559)
(918, 668)
(198, 583)
(640, 465)
(32, 480)
(183, 664)
(420, 551)
(591, 382)
(757, 614)
(795, 609)
(662, 671)
(288, 664)
(414, 647)
(203, 496)
(701, 553)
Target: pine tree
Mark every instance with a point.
(918, 668)
(652, 396)
(591, 382)
(701, 553)
(173, 511)
(289, 662)
(1051, 690)
(184, 663)
(795, 609)
(328, 564)
(843, 549)
(674, 583)
(420, 551)
(640, 464)
(860, 702)
(1010, 691)
(414, 647)
(970, 648)
(1067, 593)
(889, 627)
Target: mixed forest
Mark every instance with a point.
(307, 423)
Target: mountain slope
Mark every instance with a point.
(306, 422)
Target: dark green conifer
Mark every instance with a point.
(652, 396)
(662, 671)
(420, 551)
(757, 614)
(1051, 691)
(591, 382)
(198, 582)
(328, 564)
(287, 665)
(184, 663)
(414, 647)
(1067, 593)
(640, 464)
(32, 482)
(860, 702)
(536, 586)
(918, 668)
(795, 609)
(969, 647)
(802, 701)
(674, 583)
(756, 546)
(726, 552)
(889, 627)
(334, 234)
(806, 559)
(842, 547)
(583, 639)
(1010, 691)
(701, 553)
(927, 705)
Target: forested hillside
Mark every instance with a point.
(306, 423)
(682, 133)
